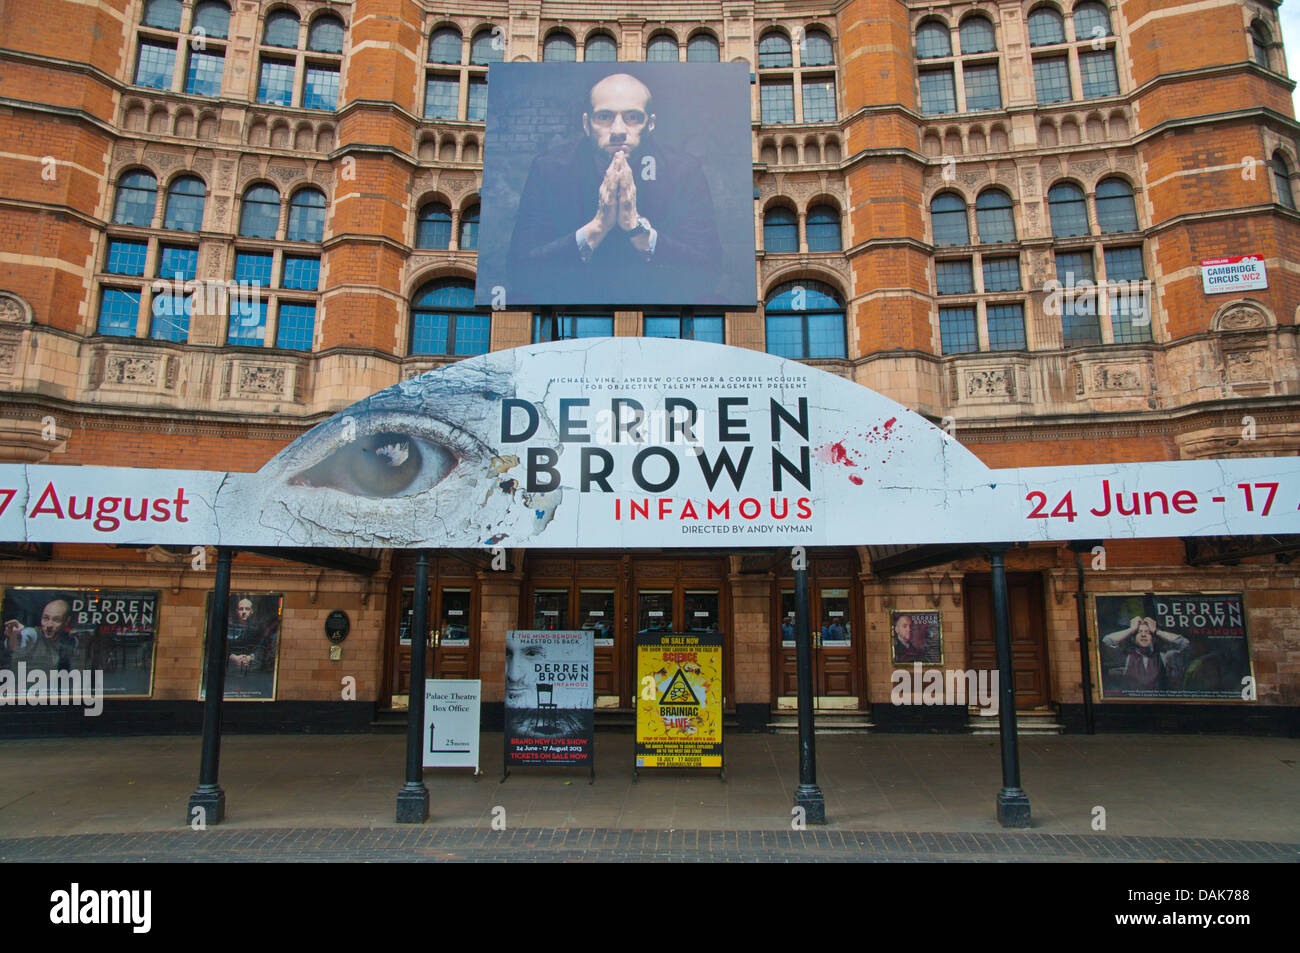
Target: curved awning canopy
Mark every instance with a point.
(638, 442)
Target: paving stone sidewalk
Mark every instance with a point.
(605, 845)
(332, 797)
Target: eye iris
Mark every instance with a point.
(383, 463)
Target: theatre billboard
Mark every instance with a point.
(617, 185)
(638, 442)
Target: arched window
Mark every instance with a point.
(780, 230)
(306, 216)
(774, 50)
(433, 230)
(948, 220)
(993, 217)
(702, 48)
(1068, 210)
(445, 321)
(325, 35)
(823, 228)
(185, 204)
(1091, 21)
(662, 49)
(559, 48)
(469, 229)
(444, 45)
(1260, 40)
(281, 29)
(213, 18)
(932, 40)
(1116, 211)
(977, 35)
(259, 214)
(600, 48)
(137, 196)
(1282, 179)
(487, 47)
(805, 319)
(817, 49)
(163, 14)
(1046, 27)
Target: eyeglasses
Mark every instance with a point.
(631, 117)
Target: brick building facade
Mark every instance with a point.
(1001, 208)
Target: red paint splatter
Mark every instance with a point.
(890, 422)
(840, 455)
(855, 479)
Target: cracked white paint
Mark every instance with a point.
(894, 479)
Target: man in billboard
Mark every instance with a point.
(615, 212)
(1144, 658)
(250, 640)
(50, 646)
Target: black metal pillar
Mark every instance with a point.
(413, 799)
(1081, 617)
(808, 795)
(1013, 803)
(208, 802)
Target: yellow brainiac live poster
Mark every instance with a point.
(679, 700)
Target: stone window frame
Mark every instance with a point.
(183, 41)
(300, 55)
(955, 64)
(1074, 46)
(465, 71)
(796, 73)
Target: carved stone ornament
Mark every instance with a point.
(1117, 377)
(1247, 365)
(1240, 316)
(457, 183)
(162, 160)
(13, 309)
(285, 174)
(257, 379)
(131, 371)
(8, 358)
(993, 382)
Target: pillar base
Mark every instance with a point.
(413, 803)
(1013, 808)
(207, 806)
(810, 798)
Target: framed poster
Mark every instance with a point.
(549, 697)
(679, 699)
(617, 184)
(451, 722)
(252, 646)
(1167, 646)
(915, 637)
(112, 631)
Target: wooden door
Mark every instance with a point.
(562, 592)
(834, 640)
(1028, 633)
(452, 639)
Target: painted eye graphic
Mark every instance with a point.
(380, 465)
(383, 454)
